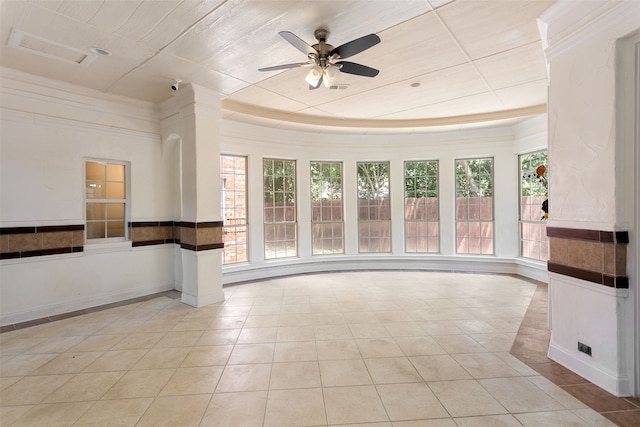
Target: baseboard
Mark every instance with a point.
(618, 386)
(80, 304)
(277, 268)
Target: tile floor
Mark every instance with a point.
(383, 349)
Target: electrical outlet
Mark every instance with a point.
(584, 348)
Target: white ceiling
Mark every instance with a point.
(472, 58)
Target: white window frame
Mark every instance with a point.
(425, 221)
(330, 221)
(246, 204)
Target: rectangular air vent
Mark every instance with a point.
(49, 49)
(338, 87)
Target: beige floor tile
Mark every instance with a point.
(219, 337)
(251, 353)
(229, 322)
(98, 343)
(158, 358)
(289, 375)
(359, 404)
(257, 335)
(32, 390)
(393, 316)
(344, 372)
(208, 356)
(295, 408)
(8, 414)
(198, 380)
(439, 368)
(494, 342)
(332, 332)
(244, 378)
(16, 345)
(263, 310)
(303, 308)
(516, 364)
(102, 413)
(330, 319)
(390, 370)
(360, 317)
(404, 329)
(520, 395)
(465, 398)
(410, 401)
(484, 365)
(295, 333)
(266, 321)
(24, 364)
(179, 339)
(488, 421)
(8, 381)
(592, 418)
(439, 422)
(552, 418)
(171, 411)
(143, 383)
(68, 363)
(475, 326)
(55, 345)
(116, 360)
(245, 409)
(337, 349)
(439, 327)
(567, 400)
(368, 330)
(83, 387)
(139, 341)
(300, 351)
(419, 346)
(459, 344)
(385, 424)
(295, 320)
(378, 347)
(56, 414)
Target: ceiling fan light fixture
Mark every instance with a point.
(331, 74)
(314, 75)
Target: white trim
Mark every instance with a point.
(83, 303)
(284, 267)
(616, 385)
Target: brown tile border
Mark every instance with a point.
(589, 235)
(618, 282)
(26, 242)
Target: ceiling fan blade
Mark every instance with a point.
(283, 66)
(357, 69)
(356, 46)
(297, 42)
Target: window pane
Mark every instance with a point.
(279, 208)
(326, 207)
(474, 206)
(233, 184)
(105, 181)
(115, 190)
(96, 230)
(95, 171)
(115, 172)
(421, 206)
(533, 195)
(374, 213)
(95, 211)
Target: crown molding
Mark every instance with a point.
(569, 23)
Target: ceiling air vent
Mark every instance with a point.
(49, 49)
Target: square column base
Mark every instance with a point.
(201, 277)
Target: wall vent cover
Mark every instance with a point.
(40, 46)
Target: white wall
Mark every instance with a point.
(47, 131)
(589, 163)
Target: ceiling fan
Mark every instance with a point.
(325, 61)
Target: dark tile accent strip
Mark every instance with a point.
(188, 246)
(17, 230)
(210, 224)
(590, 235)
(186, 224)
(618, 282)
(210, 246)
(149, 243)
(9, 255)
(144, 224)
(41, 229)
